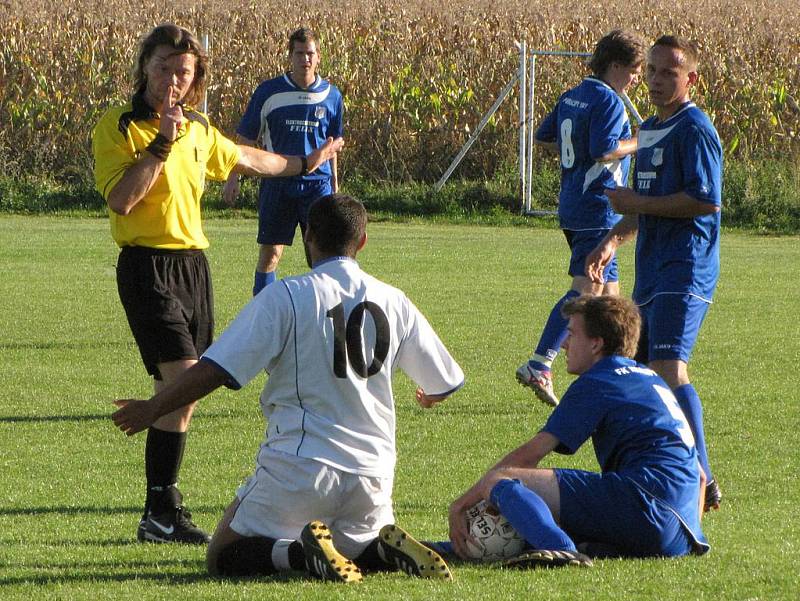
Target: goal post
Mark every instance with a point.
(525, 76)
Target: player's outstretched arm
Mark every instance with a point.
(196, 382)
(514, 465)
(254, 161)
(230, 191)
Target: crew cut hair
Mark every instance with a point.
(614, 319)
(302, 35)
(691, 53)
(337, 223)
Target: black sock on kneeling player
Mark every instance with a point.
(252, 556)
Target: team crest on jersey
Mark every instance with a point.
(658, 157)
(319, 112)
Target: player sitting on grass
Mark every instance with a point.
(321, 496)
(590, 130)
(646, 501)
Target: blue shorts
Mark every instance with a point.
(283, 203)
(609, 511)
(670, 325)
(581, 243)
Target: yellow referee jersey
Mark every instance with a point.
(169, 215)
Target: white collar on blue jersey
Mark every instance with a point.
(288, 77)
(683, 108)
(331, 259)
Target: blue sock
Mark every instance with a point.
(263, 279)
(689, 402)
(530, 516)
(554, 333)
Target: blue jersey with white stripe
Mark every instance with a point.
(287, 119)
(587, 123)
(638, 431)
(673, 255)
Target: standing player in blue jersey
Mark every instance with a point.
(293, 113)
(590, 130)
(676, 211)
(647, 499)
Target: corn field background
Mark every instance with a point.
(416, 76)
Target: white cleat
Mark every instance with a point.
(541, 382)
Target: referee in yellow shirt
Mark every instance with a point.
(152, 157)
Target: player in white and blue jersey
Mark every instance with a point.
(647, 499)
(320, 498)
(295, 112)
(590, 130)
(675, 209)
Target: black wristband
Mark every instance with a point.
(304, 168)
(160, 147)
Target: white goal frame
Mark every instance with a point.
(525, 75)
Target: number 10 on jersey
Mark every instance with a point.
(348, 339)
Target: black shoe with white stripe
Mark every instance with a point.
(398, 549)
(172, 526)
(323, 561)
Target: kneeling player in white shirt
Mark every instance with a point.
(321, 495)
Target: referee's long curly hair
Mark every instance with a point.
(183, 42)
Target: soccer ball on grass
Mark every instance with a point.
(495, 538)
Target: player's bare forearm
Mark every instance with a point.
(140, 177)
(679, 205)
(138, 180)
(623, 149)
(335, 173)
(199, 380)
(253, 161)
(524, 457)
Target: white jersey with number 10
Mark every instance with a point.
(330, 341)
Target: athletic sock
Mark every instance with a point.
(554, 333)
(163, 454)
(689, 402)
(259, 556)
(370, 560)
(530, 516)
(262, 279)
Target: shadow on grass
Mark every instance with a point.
(33, 419)
(67, 510)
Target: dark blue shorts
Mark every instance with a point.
(610, 511)
(581, 243)
(670, 325)
(283, 203)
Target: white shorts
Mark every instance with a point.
(287, 492)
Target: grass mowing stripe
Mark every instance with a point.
(72, 486)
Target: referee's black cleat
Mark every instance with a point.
(400, 550)
(549, 559)
(323, 561)
(713, 495)
(171, 526)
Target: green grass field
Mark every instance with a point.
(72, 485)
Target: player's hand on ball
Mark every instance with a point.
(133, 416)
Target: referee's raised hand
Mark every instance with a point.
(171, 115)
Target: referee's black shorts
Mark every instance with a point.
(169, 302)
